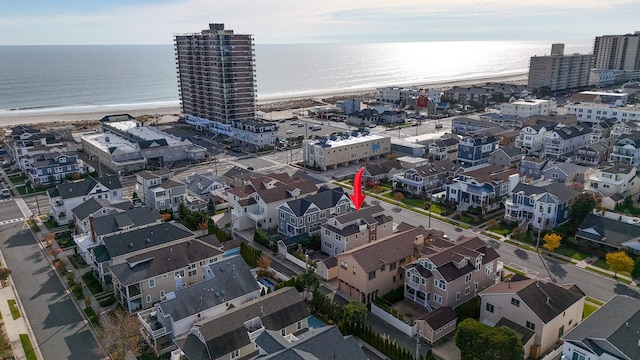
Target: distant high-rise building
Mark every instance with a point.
(216, 75)
(617, 52)
(558, 71)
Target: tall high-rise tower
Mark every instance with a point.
(617, 52)
(559, 71)
(216, 75)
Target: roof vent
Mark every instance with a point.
(130, 244)
(147, 240)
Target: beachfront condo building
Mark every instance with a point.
(558, 71)
(216, 74)
(617, 52)
(330, 153)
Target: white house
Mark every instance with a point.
(626, 150)
(617, 179)
(528, 107)
(532, 137)
(562, 141)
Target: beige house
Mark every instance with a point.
(348, 231)
(327, 269)
(547, 309)
(145, 278)
(325, 154)
(232, 334)
(437, 324)
(374, 269)
(450, 273)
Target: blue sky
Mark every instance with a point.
(30, 22)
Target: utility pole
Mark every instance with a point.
(418, 345)
(539, 231)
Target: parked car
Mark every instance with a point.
(290, 131)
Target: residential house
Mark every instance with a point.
(392, 116)
(509, 156)
(96, 228)
(602, 130)
(619, 179)
(375, 268)
(226, 284)
(143, 279)
(531, 167)
(24, 147)
(305, 215)
(547, 309)
(483, 186)
(66, 196)
(606, 334)
(532, 137)
(236, 176)
(327, 269)
(117, 248)
(206, 186)
(448, 273)
(508, 137)
(464, 126)
(610, 232)
(544, 205)
(365, 117)
(592, 154)
(375, 173)
(348, 231)
(408, 162)
(563, 141)
(566, 173)
(428, 178)
(255, 205)
(437, 324)
(94, 208)
(564, 119)
(627, 150)
(53, 167)
(476, 149)
(232, 334)
(625, 128)
(312, 345)
(444, 149)
(159, 190)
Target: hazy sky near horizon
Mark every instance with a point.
(38, 22)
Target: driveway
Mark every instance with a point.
(60, 331)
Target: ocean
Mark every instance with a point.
(41, 79)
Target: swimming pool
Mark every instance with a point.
(315, 323)
(267, 282)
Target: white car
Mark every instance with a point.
(290, 131)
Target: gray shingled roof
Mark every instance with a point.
(522, 332)
(606, 330)
(161, 261)
(89, 207)
(136, 240)
(511, 151)
(569, 132)
(558, 190)
(137, 217)
(366, 213)
(440, 317)
(609, 231)
(324, 199)
(326, 343)
(232, 279)
(83, 187)
(226, 332)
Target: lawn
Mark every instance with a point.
(408, 201)
(92, 283)
(502, 231)
(572, 253)
(92, 316)
(466, 219)
(588, 310)
(15, 312)
(438, 209)
(28, 347)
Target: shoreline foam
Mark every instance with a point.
(171, 112)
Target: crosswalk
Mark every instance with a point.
(12, 221)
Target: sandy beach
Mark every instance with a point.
(172, 113)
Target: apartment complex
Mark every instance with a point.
(617, 52)
(527, 107)
(559, 71)
(216, 74)
(328, 153)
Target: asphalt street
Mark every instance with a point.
(59, 328)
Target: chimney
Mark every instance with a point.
(418, 244)
(548, 298)
(93, 231)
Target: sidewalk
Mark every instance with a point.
(14, 328)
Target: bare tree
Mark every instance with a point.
(120, 334)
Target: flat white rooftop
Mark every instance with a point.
(604, 93)
(145, 132)
(104, 141)
(531, 102)
(356, 140)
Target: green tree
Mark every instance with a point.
(309, 281)
(619, 261)
(635, 273)
(582, 205)
(354, 312)
(479, 341)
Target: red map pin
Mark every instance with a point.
(358, 196)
